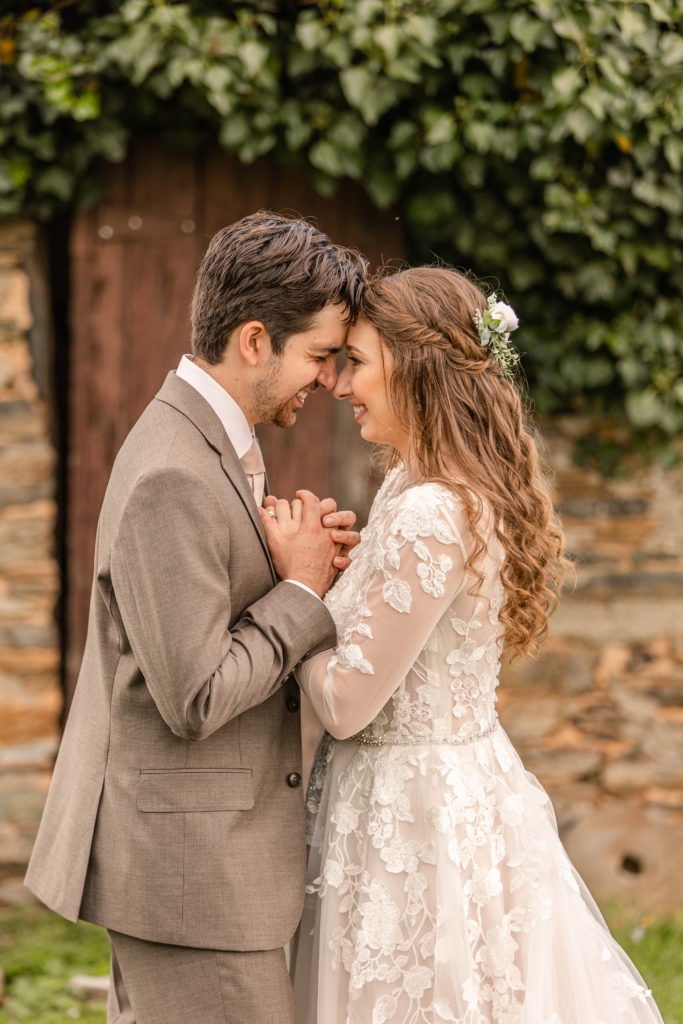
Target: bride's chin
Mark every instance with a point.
(371, 436)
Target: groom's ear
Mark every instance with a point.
(254, 343)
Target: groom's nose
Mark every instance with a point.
(327, 377)
(343, 385)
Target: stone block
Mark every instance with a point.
(20, 422)
(38, 580)
(637, 773)
(22, 608)
(28, 716)
(661, 796)
(11, 494)
(20, 635)
(672, 715)
(657, 584)
(604, 506)
(38, 755)
(13, 687)
(25, 540)
(29, 663)
(564, 766)
(597, 714)
(527, 721)
(27, 465)
(16, 372)
(16, 844)
(664, 740)
(15, 302)
(633, 705)
(562, 666)
(622, 619)
(574, 801)
(613, 662)
(631, 855)
(22, 797)
(39, 510)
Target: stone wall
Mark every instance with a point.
(30, 692)
(598, 716)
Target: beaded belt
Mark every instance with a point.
(412, 741)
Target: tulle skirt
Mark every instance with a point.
(438, 890)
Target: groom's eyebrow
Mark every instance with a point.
(328, 350)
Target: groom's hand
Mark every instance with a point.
(301, 547)
(344, 537)
(340, 522)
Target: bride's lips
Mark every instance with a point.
(358, 411)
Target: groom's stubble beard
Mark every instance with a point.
(266, 409)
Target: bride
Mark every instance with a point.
(438, 889)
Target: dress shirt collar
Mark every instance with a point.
(224, 405)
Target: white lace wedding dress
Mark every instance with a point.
(438, 889)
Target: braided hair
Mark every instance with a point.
(469, 431)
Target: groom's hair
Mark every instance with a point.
(276, 269)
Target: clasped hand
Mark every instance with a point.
(309, 539)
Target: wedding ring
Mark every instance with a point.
(271, 512)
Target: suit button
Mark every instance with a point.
(293, 779)
(293, 703)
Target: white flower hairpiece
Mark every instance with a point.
(495, 325)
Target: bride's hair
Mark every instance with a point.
(465, 418)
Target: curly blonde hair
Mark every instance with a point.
(461, 412)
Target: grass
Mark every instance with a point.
(655, 945)
(39, 952)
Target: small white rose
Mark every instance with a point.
(507, 316)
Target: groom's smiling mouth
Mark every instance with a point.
(301, 396)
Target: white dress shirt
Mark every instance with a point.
(229, 413)
(224, 405)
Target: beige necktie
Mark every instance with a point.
(253, 466)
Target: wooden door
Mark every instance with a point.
(133, 260)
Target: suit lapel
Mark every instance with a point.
(187, 400)
(233, 470)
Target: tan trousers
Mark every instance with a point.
(151, 983)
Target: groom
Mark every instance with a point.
(174, 818)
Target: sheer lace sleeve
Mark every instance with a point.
(417, 570)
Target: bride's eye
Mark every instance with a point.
(353, 360)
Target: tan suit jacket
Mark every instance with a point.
(174, 813)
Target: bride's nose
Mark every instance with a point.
(343, 386)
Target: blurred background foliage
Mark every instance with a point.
(537, 142)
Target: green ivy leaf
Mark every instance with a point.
(366, 91)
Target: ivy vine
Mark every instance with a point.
(537, 142)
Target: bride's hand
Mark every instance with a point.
(342, 534)
(340, 522)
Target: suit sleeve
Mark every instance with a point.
(169, 572)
